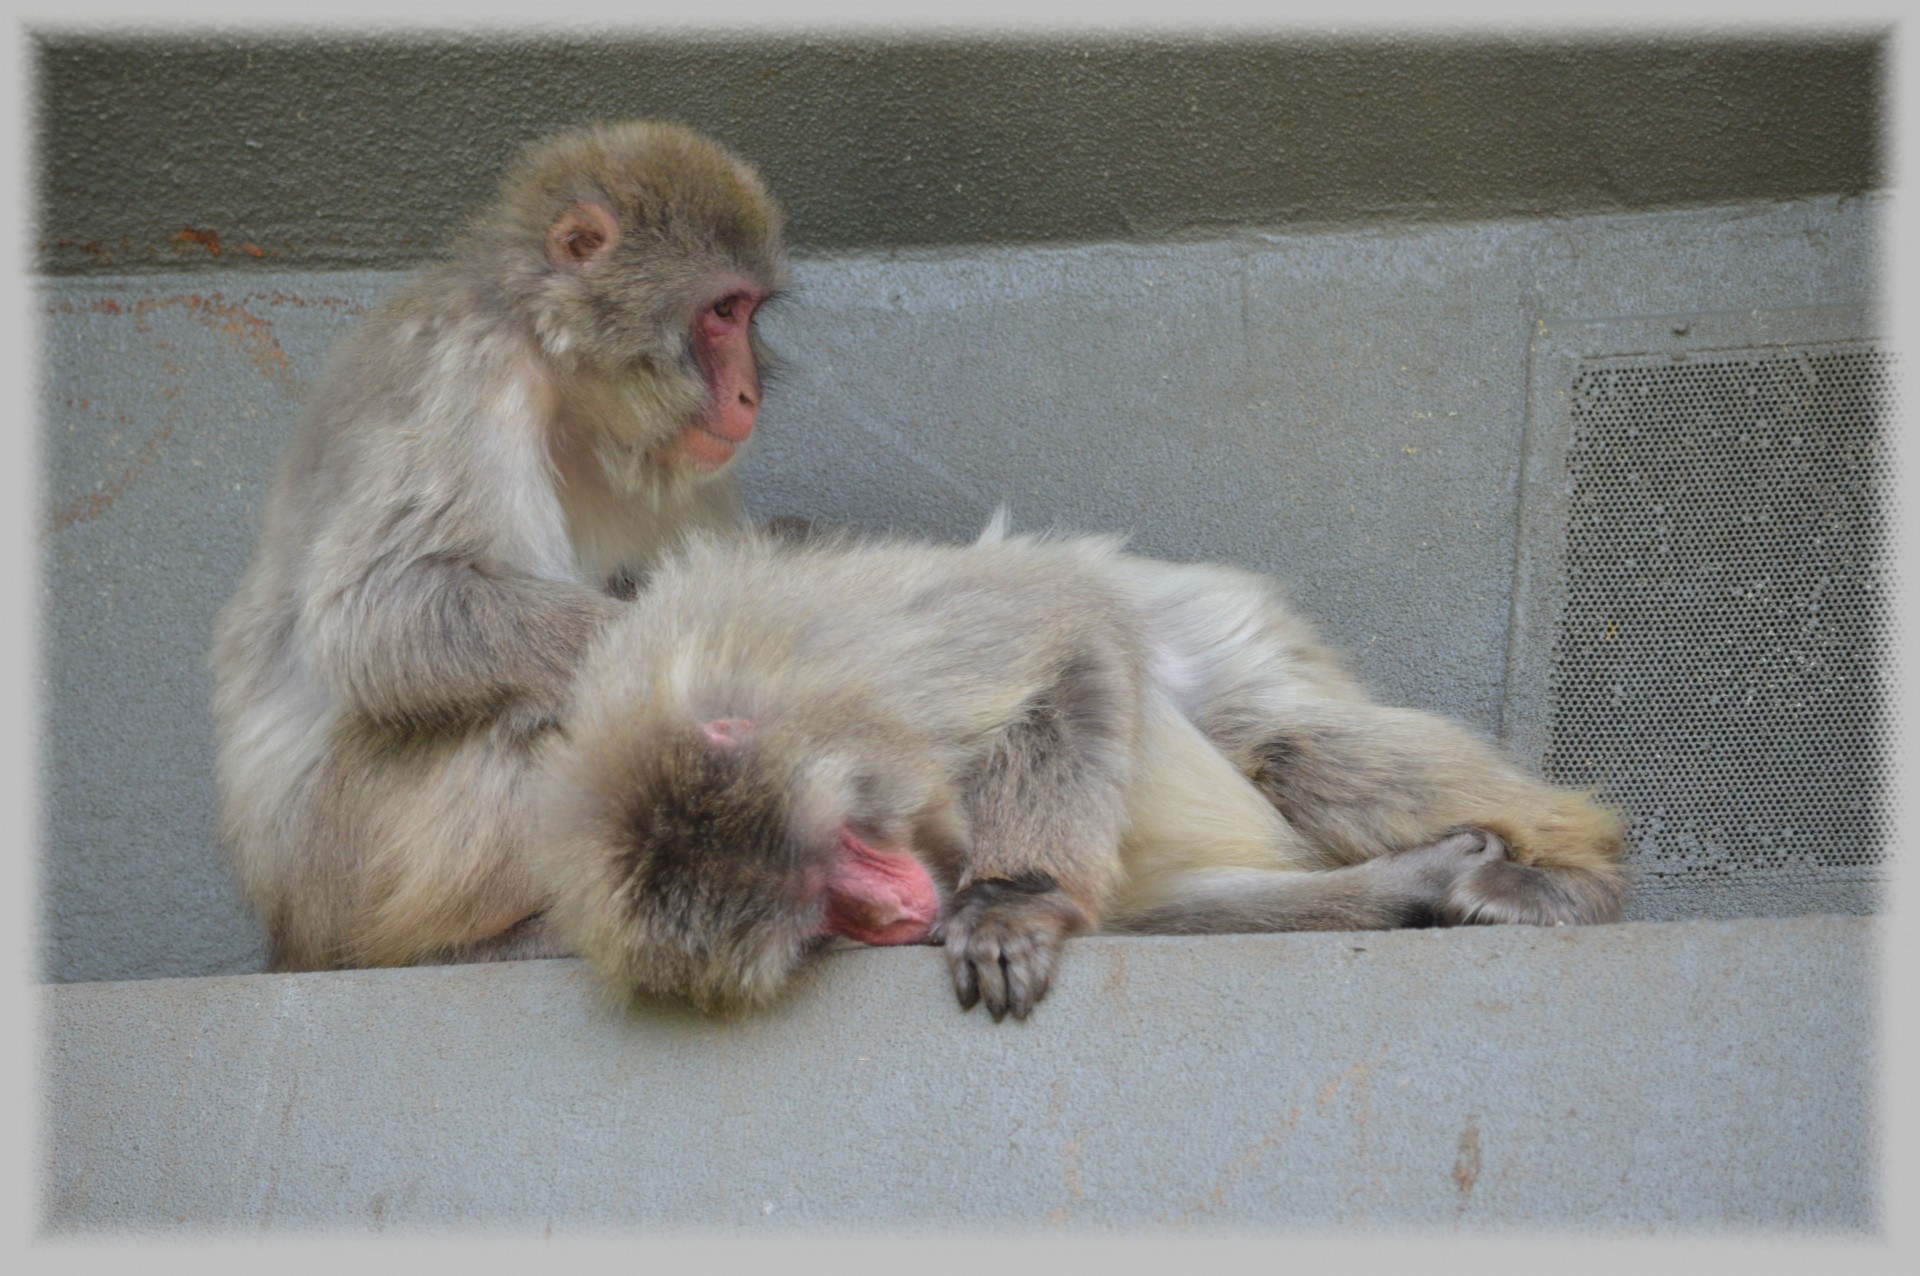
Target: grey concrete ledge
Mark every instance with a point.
(1692, 1078)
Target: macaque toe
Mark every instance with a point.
(1008, 972)
(1440, 864)
(993, 983)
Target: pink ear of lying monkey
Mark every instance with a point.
(879, 895)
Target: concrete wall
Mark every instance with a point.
(207, 149)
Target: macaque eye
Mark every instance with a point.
(724, 307)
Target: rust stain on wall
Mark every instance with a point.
(1466, 1166)
(1238, 1167)
(1355, 1077)
(1070, 1161)
(191, 238)
(247, 332)
(99, 306)
(187, 241)
(101, 254)
(236, 321)
(101, 499)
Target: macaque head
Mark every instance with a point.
(642, 253)
(710, 860)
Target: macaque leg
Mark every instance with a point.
(1045, 814)
(1362, 780)
(1406, 888)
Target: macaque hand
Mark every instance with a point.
(1003, 939)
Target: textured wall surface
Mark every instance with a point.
(1695, 1078)
(243, 152)
(1344, 410)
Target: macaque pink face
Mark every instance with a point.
(879, 895)
(583, 234)
(876, 894)
(722, 343)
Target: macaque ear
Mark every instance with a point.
(583, 231)
(728, 733)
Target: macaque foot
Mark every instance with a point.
(1503, 892)
(1003, 939)
(1441, 865)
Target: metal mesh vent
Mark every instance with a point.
(1719, 669)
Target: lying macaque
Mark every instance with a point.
(1002, 745)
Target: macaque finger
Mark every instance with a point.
(1019, 986)
(993, 983)
(966, 985)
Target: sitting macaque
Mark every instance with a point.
(492, 462)
(1000, 746)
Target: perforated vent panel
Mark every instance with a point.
(1719, 668)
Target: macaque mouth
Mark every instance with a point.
(879, 895)
(709, 444)
(723, 346)
(727, 429)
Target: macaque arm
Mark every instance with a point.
(1045, 811)
(451, 638)
(442, 591)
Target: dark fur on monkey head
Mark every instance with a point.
(745, 845)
